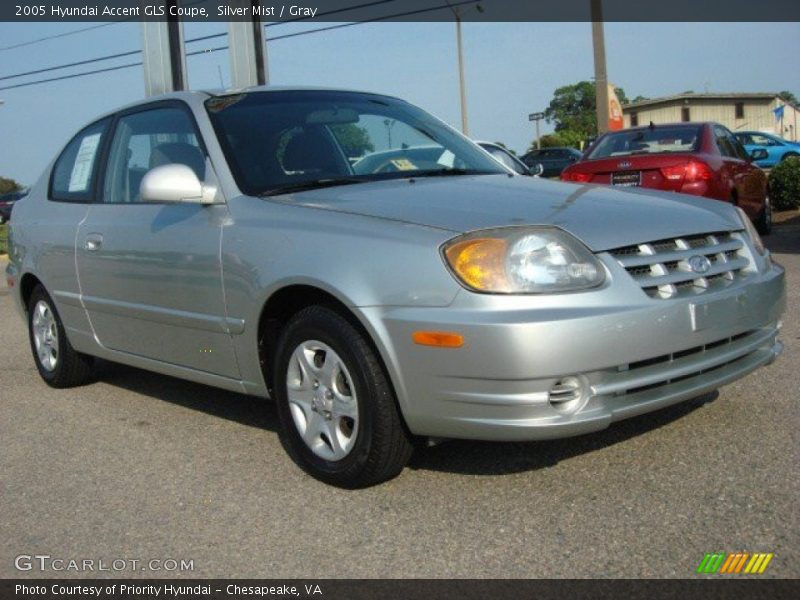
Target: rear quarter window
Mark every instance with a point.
(74, 174)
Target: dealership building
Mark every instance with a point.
(738, 112)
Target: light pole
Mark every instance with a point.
(461, 83)
(389, 123)
(600, 75)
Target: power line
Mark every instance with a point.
(76, 31)
(331, 12)
(73, 64)
(189, 41)
(72, 76)
(373, 20)
(219, 48)
(55, 36)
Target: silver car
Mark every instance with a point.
(227, 239)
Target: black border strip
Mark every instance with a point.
(409, 589)
(409, 10)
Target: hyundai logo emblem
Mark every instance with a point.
(699, 264)
(624, 164)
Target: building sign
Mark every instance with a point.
(614, 110)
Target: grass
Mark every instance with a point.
(3, 238)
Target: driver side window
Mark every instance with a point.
(145, 140)
(762, 140)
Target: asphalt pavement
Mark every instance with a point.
(138, 466)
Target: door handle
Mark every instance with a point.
(93, 242)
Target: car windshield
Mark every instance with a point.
(277, 142)
(650, 140)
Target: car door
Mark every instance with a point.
(565, 159)
(754, 182)
(150, 272)
(71, 189)
(732, 171)
(775, 149)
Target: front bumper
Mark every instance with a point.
(627, 358)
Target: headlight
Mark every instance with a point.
(523, 260)
(751, 231)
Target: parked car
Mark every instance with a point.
(701, 159)
(553, 160)
(504, 157)
(227, 239)
(776, 147)
(7, 202)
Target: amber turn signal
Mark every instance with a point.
(441, 339)
(480, 263)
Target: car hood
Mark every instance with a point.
(602, 217)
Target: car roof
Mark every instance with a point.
(754, 132)
(553, 148)
(193, 95)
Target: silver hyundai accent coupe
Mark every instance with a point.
(379, 276)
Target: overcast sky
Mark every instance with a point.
(511, 70)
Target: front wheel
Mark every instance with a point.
(58, 363)
(764, 221)
(339, 417)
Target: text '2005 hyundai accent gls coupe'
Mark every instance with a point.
(379, 276)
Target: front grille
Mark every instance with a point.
(663, 271)
(661, 371)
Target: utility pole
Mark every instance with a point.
(464, 127)
(248, 48)
(164, 53)
(600, 75)
(537, 117)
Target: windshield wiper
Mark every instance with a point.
(313, 184)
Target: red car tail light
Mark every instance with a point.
(576, 177)
(692, 171)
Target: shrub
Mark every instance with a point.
(784, 184)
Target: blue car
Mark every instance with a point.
(777, 148)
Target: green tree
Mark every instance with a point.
(354, 140)
(573, 109)
(789, 98)
(8, 185)
(548, 140)
(640, 98)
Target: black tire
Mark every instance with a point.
(382, 446)
(764, 221)
(789, 155)
(69, 368)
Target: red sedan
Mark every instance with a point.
(702, 159)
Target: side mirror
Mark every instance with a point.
(759, 154)
(537, 170)
(175, 183)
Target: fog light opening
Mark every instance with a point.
(568, 394)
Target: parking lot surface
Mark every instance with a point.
(141, 466)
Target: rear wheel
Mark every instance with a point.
(789, 155)
(340, 420)
(56, 360)
(764, 221)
